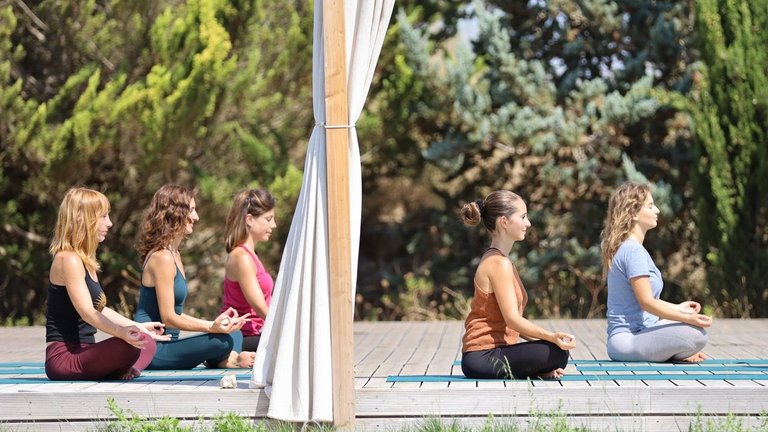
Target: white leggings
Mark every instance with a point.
(665, 341)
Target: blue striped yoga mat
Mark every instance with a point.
(706, 365)
(40, 370)
(21, 364)
(762, 362)
(10, 374)
(621, 377)
(672, 367)
(142, 378)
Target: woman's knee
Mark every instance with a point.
(121, 350)
(699, 337)
(561, 357)
(221, 346)
(224, 342)
(150, 345)
(557, 356)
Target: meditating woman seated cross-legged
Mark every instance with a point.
(171, 217)
(77, 306)
(641, 326)
(495, 322)
(247, 284)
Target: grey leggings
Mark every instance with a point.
(665, 341)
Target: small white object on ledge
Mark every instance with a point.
(228, 381)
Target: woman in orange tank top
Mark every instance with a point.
(495, 321)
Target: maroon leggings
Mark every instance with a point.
(109, 358)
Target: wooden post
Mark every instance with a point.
(339, 253)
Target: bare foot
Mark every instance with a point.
(555, 374)
(243, 360)
(246, 359)
(130, 374)
(696, 358)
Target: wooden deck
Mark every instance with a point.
(384, 349)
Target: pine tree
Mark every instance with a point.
(559, 101)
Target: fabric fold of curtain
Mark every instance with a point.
(293, 361)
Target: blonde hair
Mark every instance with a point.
(624, 204)
(76, 225)
(165, 219)
(496, 204)
(254, 202)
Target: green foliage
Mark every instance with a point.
(730, 110)
(558, 101)
(126, 96)
(557, 421)
(129, 421)
(417, 302)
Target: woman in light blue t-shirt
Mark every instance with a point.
(641, 326)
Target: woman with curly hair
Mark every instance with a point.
(247, 284)
(495, 322)
(170, 218)
(77, 306)
(641, 326)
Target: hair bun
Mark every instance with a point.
(480, 206)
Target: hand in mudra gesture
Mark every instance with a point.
(229, 321)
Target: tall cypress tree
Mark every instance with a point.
(731, 117)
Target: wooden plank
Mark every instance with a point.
(607, 423)
(737, 400)
(364, 424)
(338, 208)
(397, 346)
(449, 352)
(414, 346)
(383, 350)
(394, 351)
(371, 335)
(425, 350)
(93, 405)
(467, 401)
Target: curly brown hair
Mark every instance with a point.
(165, 218)
(624, 204)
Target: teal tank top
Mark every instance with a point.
(148, 309)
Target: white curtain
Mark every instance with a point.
(293, 361)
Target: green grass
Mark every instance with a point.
(128, 421)
(541, 422)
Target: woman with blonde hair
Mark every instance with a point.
(491, 348)
(247, 284)
(170, 218)
(77, 306)
(641, 326)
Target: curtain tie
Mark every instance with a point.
(325, 126)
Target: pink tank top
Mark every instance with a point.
(234, 297)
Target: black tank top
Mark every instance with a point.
(63, 324)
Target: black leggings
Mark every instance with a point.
(521, 360)
(251, 343)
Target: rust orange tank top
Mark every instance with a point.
(485, 327)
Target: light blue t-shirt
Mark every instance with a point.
(624, 312)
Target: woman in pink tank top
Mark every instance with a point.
(247, 284)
